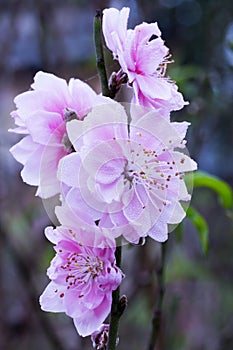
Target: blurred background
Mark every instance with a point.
(56, 36)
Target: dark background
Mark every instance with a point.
(56, 36)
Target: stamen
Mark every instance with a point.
(81, 267)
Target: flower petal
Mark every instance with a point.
(45, 127)
(115, 21)
(23, 149)
(50, 300)
(93, 319)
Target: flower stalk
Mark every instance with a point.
(157, 317)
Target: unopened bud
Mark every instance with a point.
(116, 80)
(70, 115)
(122, 304)
(100, 337)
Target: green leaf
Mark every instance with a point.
(201, 226)
(221, 188)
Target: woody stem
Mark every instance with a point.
(156, 321)
(100, 62)
(118, 304)
(116, 310)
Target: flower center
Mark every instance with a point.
(144, 168)
(154, 172)
(81, 268)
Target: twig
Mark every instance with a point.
(100, 63)
(156, 321)
(118, 306)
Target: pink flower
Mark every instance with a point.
(127, 177)
(144, 59)
(83, 275)
(42, 114)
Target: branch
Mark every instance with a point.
(117, 309)
(100, 62)
(118, 304)
(156, 321)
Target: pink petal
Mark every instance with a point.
(31, 171)
(93, 319)
(154, 87)
(52, 235)
(80, 208)
(127, 58)
(181, 128)
(31, 101)
(110, 171)
(159, 232)
(67, 216)
(106, 151)
(50, 300)
(23, 149)
(183, 192)
(45, 127)
(95, 298)
(183, 163)
(68, 169)
(57, 87)
(27, 102)
(115, 21)
(160, 129)
(105, 122)
(106, 222)
(177, 101)
(21, 129)
(144, 31)
(83, 97)
(135, 208)
(178, 214)
(150, 56)
(108, 192)
(49, 184)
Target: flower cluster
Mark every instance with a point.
(42, 114)
(134, 185)
(119, 169)
(83, 275)
(142, 54)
